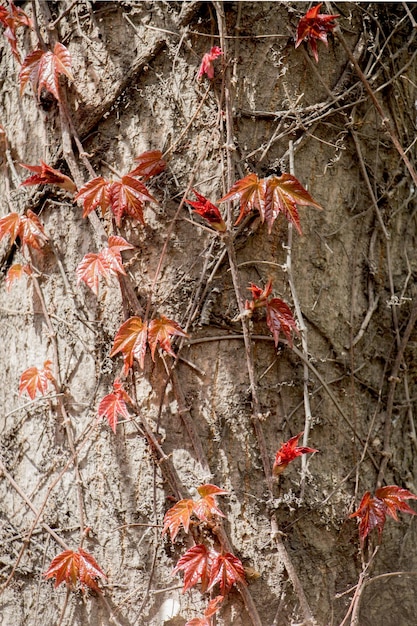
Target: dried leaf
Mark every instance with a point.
(70, 566)
(315, 26)
(46, 175)
(288, 452)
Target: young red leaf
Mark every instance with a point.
(206, 66)
(226, 570)
(213, 606)
(205, 507)
(44, 68)
(260, 296)
(177, 516)
(208, 211)
(160, 331)
(95, 193)
(288, 452)
(279, 317)
(34, 380)
(114, 404)
(150, 164)
(251, 192)
(70, 566)
(15, 272)
(116, 245)
(195, 564)
(393, 497)
(46, 175)
(315, 26)
(10, 225)
(92, 267)
(31, 231)
(372, 514)
(131, 341)
(128, 196)
(282, 194)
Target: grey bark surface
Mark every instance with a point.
(135, 88)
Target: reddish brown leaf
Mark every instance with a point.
(70, 566)
(44, 68)
(160, 331)
(114, 404)
(131, 341)
(206, 66)
(251, 193)
(177, 516)
(15, 272)
(282, 194)
(315, 26)
(226, 571)
(288, 452)
(260, 296)
(195, 564)
(150, 164)
(10, 225)
(31, 231)
(393, 497)
(208, 211)
(12, 18)
(372, 514)
(34, 380)
(46, 175)
(95, 193)
(279, 317)
(127, 197)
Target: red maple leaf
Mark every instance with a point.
(34, 380)
(160, 331)
(270, 196)
(208, 211)
(315, 26)
(150, 164)
(12, 18)
(114, 404)
(70, 566)
(95, 193)
(195, 564)
(130, 340)
(128, 196)
(288, 452)
(373, 510)
(46, 175)
(206, 66)
(44, 68)
(226, 570)
(15, 272)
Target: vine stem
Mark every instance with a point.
(303, 332)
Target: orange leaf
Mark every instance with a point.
(213, 606)
(112, 254)
(251, 192)
(95, 193)
(206, 508)
(92, 267)
(131, 341)
(10, 225)
(70, 566)
(46, 175)
(150, 164)
(177, 515)
(15, 272)
(282, 194)
(114, 404)
(35, 380)
(44, 68)
(128, 196)
(161, 331)
(195, 564)
(31, 231)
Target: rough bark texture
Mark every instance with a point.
(354, 269)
